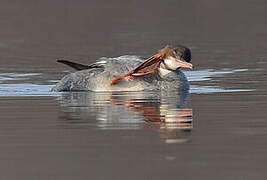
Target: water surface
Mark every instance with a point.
(217, 130)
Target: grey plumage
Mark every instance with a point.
(97, 76)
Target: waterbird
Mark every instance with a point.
(161, 71)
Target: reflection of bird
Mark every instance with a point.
(165, 113)
(129, 73)
(158, 113)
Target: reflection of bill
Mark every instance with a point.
(166, 113)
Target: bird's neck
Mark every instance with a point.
(163, 71)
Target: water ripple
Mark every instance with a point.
(7, 88)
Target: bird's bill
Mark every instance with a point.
(183, 64)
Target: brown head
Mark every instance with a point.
(178, 51)
(174, 57)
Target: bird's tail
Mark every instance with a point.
(74, 65)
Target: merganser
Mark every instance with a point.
(130, 73)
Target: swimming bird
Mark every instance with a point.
(130, 73)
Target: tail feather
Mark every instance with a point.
(74, 65)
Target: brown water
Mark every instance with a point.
(218, 130)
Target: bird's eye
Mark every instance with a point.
(178, 55)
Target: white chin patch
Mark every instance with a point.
(171, 64)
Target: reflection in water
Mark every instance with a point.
(164, 112)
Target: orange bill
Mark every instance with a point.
(184, 64)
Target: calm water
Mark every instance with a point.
(217, 130)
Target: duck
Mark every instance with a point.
(160, 72)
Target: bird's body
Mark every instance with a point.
(126, 73)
